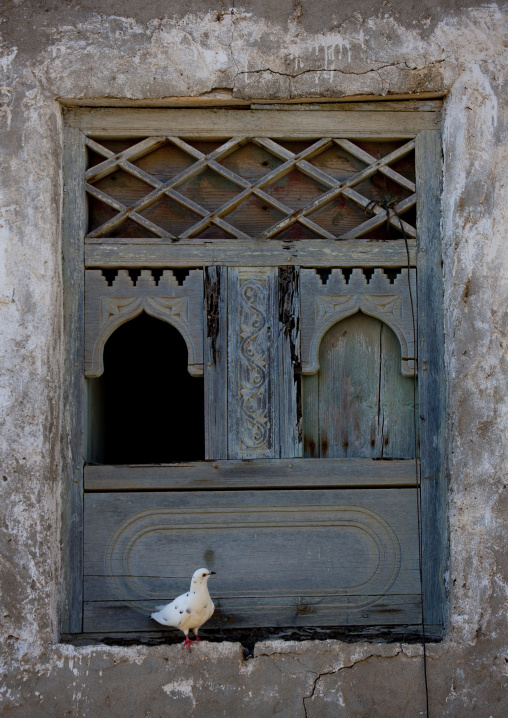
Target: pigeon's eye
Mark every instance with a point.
(204, 575)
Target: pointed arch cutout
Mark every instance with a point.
(359, 405)
(108, 307)
(341, 297)
(146, 408)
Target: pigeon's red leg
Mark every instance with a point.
(187, 642)
(197, 637)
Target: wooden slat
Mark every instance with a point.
(346, 105)
(381, 216)
(411, 102)
(99, 149)
(369, 159)
(104, 123)
(337, 188)
(97, 172)
(310, 555)
(193, 253)
(407, 633)
(107, 616)
(255, 187)
(268, 473)
(431, 365)
(73, 228)
(215, 362)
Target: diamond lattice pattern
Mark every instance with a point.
(250, 187)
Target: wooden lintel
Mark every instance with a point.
(258, 253)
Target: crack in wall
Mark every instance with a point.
(336, 671)
(311, 71)
(398, 65)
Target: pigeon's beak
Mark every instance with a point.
(212, 573)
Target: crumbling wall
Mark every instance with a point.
(99, 51)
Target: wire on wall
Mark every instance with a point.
(388, 206)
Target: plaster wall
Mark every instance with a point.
(111, 50)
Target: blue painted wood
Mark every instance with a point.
(312, 566)
(73, 230)
(215, 362)
(431, 363)
(295, 557)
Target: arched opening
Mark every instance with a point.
(359, 405)
(146, 408)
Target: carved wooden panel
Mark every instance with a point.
(326, 299)
(253, 430)
(302, 558)
(110, 304)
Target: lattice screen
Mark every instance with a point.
(250, 187)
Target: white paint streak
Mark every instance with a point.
(179, 689)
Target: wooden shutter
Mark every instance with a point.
(279, 216)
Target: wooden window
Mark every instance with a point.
(258, 285)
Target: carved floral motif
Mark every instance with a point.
(252, 364)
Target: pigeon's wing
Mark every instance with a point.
(171, 615)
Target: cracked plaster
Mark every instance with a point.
(83, 50)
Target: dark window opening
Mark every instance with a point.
(146, 408)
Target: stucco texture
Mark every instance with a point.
(153, 50)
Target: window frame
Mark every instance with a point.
(418, 120)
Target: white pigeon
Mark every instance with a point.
(189, 611)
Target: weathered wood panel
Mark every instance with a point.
(283, 612)
(261, 253)
(216, 362)
(288, 343)
(104, 122)
(347, 106)
(73, 227)
(360, 405)
(261, 473)
(422, 102)
(350, 550)
(432, 377)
